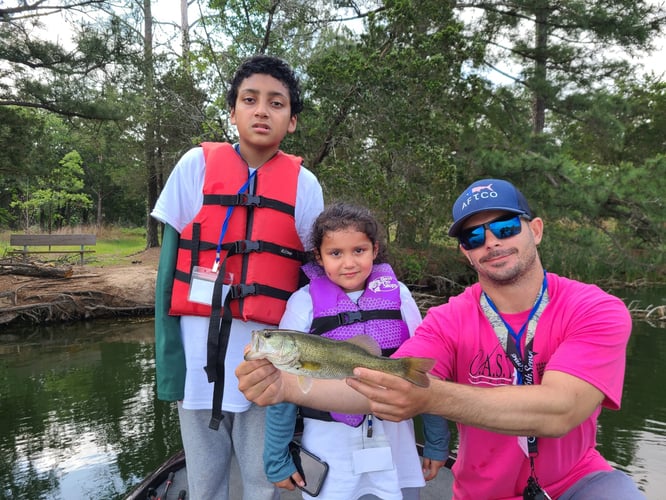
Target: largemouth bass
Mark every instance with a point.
(319, 357)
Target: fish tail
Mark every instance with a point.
(416, 370)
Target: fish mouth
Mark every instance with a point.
(256, 342)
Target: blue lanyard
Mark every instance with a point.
(523, 363)
(225, 224)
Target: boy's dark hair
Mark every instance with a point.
(267, 65)
(339, 216)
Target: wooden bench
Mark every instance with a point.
(51, 240)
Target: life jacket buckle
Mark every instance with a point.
(249, 200)
(242, 290)
(349, 317)
(247, 246)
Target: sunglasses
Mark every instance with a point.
(504, 227)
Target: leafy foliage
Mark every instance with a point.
(402, 111)
(57, 197)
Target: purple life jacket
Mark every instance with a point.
(377, 314)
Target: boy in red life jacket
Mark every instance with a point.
(241, 211)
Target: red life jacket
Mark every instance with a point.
(261, 246)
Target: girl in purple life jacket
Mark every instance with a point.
(352, 291)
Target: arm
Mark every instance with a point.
(265, 385)
(169, 353)
(435, 428)
(279, 431)
(551, 409)
(409, 309)
(436, 450)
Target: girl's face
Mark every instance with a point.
(347, 256)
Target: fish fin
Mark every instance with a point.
(305, 383)
(367, 343)
(417, 370)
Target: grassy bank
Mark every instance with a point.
(114, 245)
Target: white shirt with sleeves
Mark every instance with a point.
(180, 201)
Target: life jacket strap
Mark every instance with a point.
(325, 324)
(248, 246)
(248, 200)
(324, 416)
(219, 330)
(236, 248)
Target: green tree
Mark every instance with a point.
(622, 123)
(561, 46)
(59, 76)
(57, 197)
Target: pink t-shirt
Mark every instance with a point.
(583, 331)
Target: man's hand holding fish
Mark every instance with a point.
(260, 381)
(389, 397)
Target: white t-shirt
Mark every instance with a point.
(336, 443)
(180, 201)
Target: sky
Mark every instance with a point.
(169, 10)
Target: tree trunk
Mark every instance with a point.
(99, 208)
(540, 70)
(185, 33)
(149, 137)
(35, 269)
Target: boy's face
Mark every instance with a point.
(262, 113)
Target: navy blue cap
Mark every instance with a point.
(487, 194)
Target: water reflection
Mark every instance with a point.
(79, 418)
(78, 412)
(634, 438)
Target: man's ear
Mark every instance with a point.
(536, 226)
(466, 254)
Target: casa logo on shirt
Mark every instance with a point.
(382, 284)
(491, 369)
(495, 368)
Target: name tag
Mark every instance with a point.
(202, 285)
(372, 460)
(522, 443)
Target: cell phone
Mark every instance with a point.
(312, 469)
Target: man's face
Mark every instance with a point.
(504, 259)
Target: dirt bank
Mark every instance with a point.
(92, 291)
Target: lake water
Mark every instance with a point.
(79, 418)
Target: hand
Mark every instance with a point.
(431, 468)
(291, 482)
(391, 397)
(260, 382)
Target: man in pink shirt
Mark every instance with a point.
(525, 361)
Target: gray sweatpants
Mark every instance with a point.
(209, 453)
